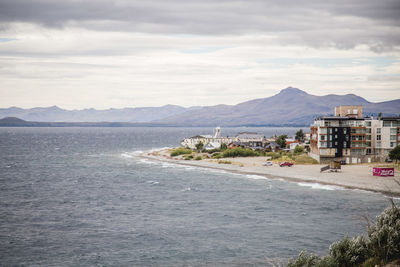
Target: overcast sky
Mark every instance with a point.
(127, 53)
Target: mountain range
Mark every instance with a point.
(291, 106)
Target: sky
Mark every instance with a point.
(129, 53)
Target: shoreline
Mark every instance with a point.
(351, 177)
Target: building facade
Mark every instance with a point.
(349, 137)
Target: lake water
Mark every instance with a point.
(83, 197)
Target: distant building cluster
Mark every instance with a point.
(350, 137)
(251, 140)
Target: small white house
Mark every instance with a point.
(212, 145)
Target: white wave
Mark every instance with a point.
(158, 149)
(321, 186)
(256, 177)
(131, 154)
(146, 161)
(186, 189)
(153, 182)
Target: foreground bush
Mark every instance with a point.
(381, 246)
(180, 151)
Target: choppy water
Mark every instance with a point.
(82, 197)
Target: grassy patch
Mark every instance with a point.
(198, 158)
(180, 151)
(304, 159)
(224, 162)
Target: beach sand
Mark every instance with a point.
(350, 176)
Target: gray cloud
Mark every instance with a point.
(341, 23)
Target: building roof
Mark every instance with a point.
(337, 118)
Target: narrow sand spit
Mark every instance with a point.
(351, 176)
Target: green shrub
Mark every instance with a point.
(381, 246)
(349, 252)
(304, 260)
(198, 158)
(180, 151)
(384, 236)
(239, 152)
(298, 150)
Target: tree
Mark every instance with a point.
(199, 146)
(281, 140)
(394, 154)
(224, 146)
(300, 135)
(298, 149)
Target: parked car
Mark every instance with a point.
(389, 160)
(286, 163)
(268, 163)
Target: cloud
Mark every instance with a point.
(343, 24)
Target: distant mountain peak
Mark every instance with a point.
(292, 90)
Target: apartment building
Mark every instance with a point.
(350, 137)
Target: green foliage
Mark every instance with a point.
(304, 260)
(381, 246)
(299, 149)
(384, 236)
(212, 151)
(180, 151)
(281, 140)
(349, 252)
(198, 158)
(300, 135)
(241, 152)
(188, 157)
(224, 146)
(394, 154)
(199, 146)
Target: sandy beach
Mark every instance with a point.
(350, 176)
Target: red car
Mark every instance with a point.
(286, 163)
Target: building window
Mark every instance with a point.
(368, 123)
(335, 129)
(387, 123)
(392, 144)
(336, 143)
(330, 130)
(392, 137)
(378, 137)
(344, 130)
(344, 144)
(369, 151)
(392, 130)
(335, 136)
(322, 137)
(378, 130)
(368, 137)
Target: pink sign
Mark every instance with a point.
(383, 171)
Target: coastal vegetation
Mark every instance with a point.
(180, 151)
(379, 246)
(298, 156)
